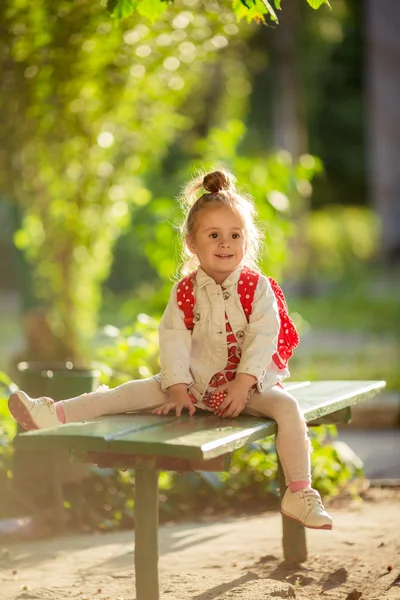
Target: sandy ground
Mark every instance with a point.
(236, 558)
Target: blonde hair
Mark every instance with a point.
(220, 190)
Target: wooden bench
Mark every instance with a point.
(148, 443)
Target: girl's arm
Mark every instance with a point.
(261, 333)
(175, 346)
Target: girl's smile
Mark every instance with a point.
(219, 241)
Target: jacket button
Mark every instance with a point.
(226, 295)
(197, 317)
(240, 334)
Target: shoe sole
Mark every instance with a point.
(327, 526)
(21, 413)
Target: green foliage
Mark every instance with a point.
(356, 324)
(332, 53)
(85, 122)
(318, 3)
(151, 9)
(121, 9)
(339, 240)
(331, 472)
(252, 10)
(129, 353)
(367, 303)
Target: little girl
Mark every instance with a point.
(218, 346)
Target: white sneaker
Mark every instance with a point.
(306, 508)
(33, 413)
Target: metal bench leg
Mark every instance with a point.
(146, 532)
(294, 535)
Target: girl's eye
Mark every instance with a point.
(235, 236)
(214, 235)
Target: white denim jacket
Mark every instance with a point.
(193, 357)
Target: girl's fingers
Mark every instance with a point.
(231, 412)
(180, 407)
(190, 408)
(222, 413)
(225, 403)
(165, 408)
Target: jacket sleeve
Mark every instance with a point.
(261, 333)
(175, 345)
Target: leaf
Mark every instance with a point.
(278, 4)
(152, 9)
(271, 11)
(317, 3)
(121, 8)
(254, 10)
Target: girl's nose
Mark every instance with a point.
(225, 243)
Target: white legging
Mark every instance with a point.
(145, 394)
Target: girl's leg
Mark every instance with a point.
(292, 439)
(140, 395)
(300, 502)
(136, 395)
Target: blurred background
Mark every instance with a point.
(103, 122)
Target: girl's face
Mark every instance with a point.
(219, 241)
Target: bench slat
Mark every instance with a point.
(324, 397)
(203, 437)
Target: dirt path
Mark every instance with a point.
(235, 559)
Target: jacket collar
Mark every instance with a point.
(203, 279)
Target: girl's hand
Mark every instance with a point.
(236, 396)
(178, 401)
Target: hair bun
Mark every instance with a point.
(216, 181)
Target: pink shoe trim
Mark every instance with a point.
(326, 526)
(60, 412)
(20, 413)
(296, 486)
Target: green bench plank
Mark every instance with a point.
(203, 437)
(96, 435)
(208, 436)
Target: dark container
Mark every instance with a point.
(56, 380)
